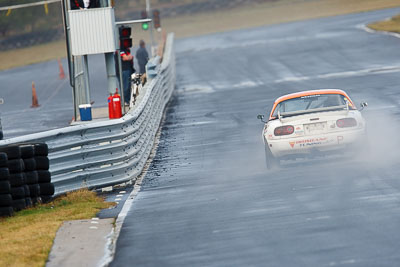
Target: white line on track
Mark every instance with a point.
(344, 74)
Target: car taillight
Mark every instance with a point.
(284, 130)
(346, 122)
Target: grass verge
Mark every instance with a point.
(27, 237)
(389, 25)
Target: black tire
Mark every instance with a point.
(270, 161)
(13, 152)
(5, 187)
(27, 191)
(28, 202)
(3, 159)
(46, 189)
(41, 149)
(27, 151)
(5, 200)
(44, 176)
(16, 165)
(17, 192)
(6, 211)
(1, 135)
(17, 179)
(34, 189)
(18, 204)
(30, 164)
(42, 163)
(32, 177)
(4, 174)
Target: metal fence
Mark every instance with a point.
(106, 153)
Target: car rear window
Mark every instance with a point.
(310, 102)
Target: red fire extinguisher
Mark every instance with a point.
(111, 112)
(116, 99)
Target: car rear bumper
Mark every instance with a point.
(315, 144)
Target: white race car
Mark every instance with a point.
(312, 123)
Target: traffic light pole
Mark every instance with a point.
(127, 22)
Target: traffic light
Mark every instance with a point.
(145, 25)
(125, 40)
(156, 19)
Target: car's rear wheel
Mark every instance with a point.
(270, 160)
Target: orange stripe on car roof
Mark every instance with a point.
(311, 92)
(306, 93)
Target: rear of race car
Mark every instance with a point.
(315, 133)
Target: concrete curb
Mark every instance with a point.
(81, 243)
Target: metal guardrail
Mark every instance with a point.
(106, 153)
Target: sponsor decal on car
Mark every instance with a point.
(311, 142)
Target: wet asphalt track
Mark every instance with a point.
(208, 199)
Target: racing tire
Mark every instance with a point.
(4, 174)
(270, 161)
(44, 176)
(17, 192)
(6, 211)
(27, 190)
(34, 189)
(5, 187)
(30, 164)
(17, 179)
(47, 189)
(32, 177)
(16, 165)
(41, 149)
(13, 152)
(5, 200)
(18, 204)
(27, 151)
(3, 159)
(42, 163)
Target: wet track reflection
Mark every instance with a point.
(208, 199)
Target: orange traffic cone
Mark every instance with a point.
(35, 102)
(62, 73)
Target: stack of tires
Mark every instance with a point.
(42, 168)
(5, 188)
(31, 175)
(16, 166)
(24, 177)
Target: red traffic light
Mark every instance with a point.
(156, 19)
(125, 40)
(125, 32)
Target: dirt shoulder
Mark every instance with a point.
(252, 15)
